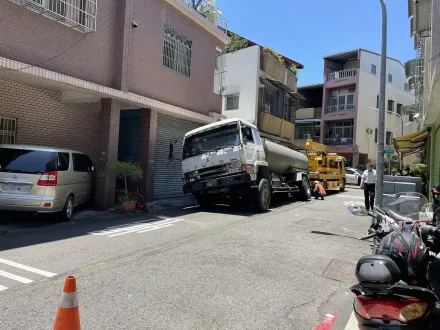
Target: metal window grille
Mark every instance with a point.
(77, 14)
(232, 102)
(177, 51)
(8, 130)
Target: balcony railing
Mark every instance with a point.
(340, 108)
(343, 141)
(210, 12)
(77, 14)
(342, 74)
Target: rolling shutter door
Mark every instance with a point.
(168, 174)
(435, 175)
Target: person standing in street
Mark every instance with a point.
(368, 183)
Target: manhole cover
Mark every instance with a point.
(341, 271)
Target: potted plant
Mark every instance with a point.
(125, 170)
(268, 50)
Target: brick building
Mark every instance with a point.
(112, 78)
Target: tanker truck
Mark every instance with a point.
(228, 161)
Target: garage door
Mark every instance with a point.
(168, 172)
(435, 175)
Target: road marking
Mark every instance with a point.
(15, 277)
(352, 323)
(27, 268)
(3, 288)
(350, 196)
(351, 203)
(138, 227)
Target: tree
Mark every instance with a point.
(124, 170)
(236, 43)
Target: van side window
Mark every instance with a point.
(63, 161)
(82, 163)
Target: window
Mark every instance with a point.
(8, 130)
(232, 102)
(27, 161)
(388, 139)
(375, 135)
(63, 161)
(390, 106)
(390, 78)
(373, 69)
(78, 14)
(400, 109)
(82, 163)
(177, 51)
(270, 99)
(256, 136)
(377, 102)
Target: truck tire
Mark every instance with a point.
(262, 196)
(304, 189)
(204, 201)
(343, 185)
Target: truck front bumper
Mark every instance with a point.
(217, 183)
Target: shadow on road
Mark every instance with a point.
(30, 230)
(331, 234)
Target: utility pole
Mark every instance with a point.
(381, 124)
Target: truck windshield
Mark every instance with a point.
(211, 140)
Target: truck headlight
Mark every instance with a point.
(235, 166)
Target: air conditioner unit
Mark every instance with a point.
(266, 108)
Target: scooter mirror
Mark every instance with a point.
(358, 210)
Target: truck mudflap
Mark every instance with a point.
(217, 183)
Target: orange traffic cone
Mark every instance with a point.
(68, 313)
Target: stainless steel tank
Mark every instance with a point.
(283, 160)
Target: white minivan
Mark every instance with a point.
(44, 179)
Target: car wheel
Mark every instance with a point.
(67, 212)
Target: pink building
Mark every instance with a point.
(113, 78)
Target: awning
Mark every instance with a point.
(411, 143)
(280, 85)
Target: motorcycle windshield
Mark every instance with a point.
(410, 205)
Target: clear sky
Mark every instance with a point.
(307, 30)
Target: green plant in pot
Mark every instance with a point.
(125, 170)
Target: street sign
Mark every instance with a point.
(388, 151)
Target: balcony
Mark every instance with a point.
(339, 108)
(80, 15)
(210, 12)
(334, 142)
(309, 113)
(276, 126)
(277, 71)
(342, 74)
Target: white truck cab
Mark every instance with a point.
(228, 159)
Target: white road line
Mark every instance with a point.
(150, 229)
(27, 268)
(352, 323)
(3, 288)
(349, 196)
(130, 226)
(15, 277)
(144, 228)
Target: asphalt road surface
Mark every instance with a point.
(190, 269)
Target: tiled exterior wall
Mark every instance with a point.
(124, 58)
(44, 120)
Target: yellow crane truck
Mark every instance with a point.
(327, 168)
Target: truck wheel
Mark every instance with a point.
(263, 196)
(305, 190)
(343, 185)
(204, 201)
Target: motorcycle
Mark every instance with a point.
(389, 217)
(398, 285)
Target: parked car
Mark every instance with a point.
(353, 176)
(44, 179)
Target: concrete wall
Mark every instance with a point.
(368, 89)
(393, 67)
(242, 77)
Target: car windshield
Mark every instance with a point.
(27, 161)
(210, 140)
